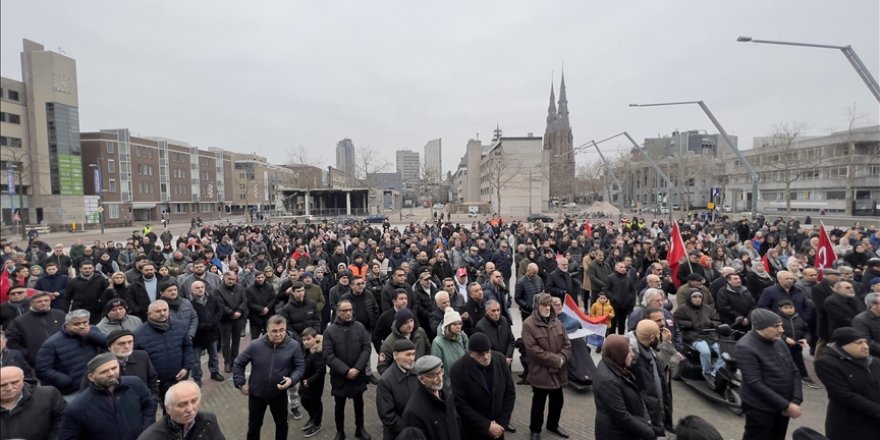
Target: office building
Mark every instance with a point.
(408, 165)
(433, 161)
(345, 158)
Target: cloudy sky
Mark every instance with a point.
(269, 76)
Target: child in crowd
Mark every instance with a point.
(312, 385)
(795, 336)
(602, 308)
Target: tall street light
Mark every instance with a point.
(99, 190)
(848, 52)
(727, 140)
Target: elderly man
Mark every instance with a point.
(132, 362)
(483, 390)
(431, 409)
(851, 380)
(771, 387)
(281, 358)
(167, 343)
(209, 311)
(28, 332)
(235, 311)
(395, 388)
(347, 354)
(113, 406)
(560, 282)
(842, 307)
(548, 348)
(61, 361)
(498, 329)
(868, 322)
(527, 286)
(785, 288)
(28, 411)
(651, 374)
(184, 418)
(116, 317)
(181, 309)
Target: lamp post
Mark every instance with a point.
(99, 190)
(723, 132)
(848, 52)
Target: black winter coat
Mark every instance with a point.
(695, 322)
(733, 306)
(300, 315)
(770, 379)
(525, 290)
(559, 283)
(205, 428)
(139, 299)
(36, 416)
(393, 392)
(499, 333)
(436, 418)
(620, 406)
(233, 299)
(270, 363)
(840, 311)
(869, 324)
(853, 395)
(477, 404)
(61, 361)
(366, 311)
(346, 346)
(621, 292)
(658, 402)
(315, 372)
(95, 414)
(259, 297)
(86, 294)
(210, 313)
(818, 294)
(28, 332)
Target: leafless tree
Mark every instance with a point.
(852, 159)
(784, 162)
(500, 169)
(369, 162)
(16, 160)
(687, 172)
(589, 181)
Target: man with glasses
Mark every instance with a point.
(771, 386)
(431, 409)
(347, 354)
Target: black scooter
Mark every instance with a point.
(725, 390)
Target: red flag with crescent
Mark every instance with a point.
(825, 256)
(676, 253)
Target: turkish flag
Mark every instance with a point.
(588, 230)
(676, 253)
(825, 256)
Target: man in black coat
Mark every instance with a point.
(868, 322)
(842, 307)
(300, 312)
(395, 387)
(852, 381)
(132, 362)
(235, 312)
(431, 409)
(209, 310)
(84, 291)
(386, 319)
(622, 295)
(347, 354)
(559, 282)
(497, 328)
(474, 309)
(819, 293)
(28, 332)
(27, 410)
(483, 390)
(650, 375)
(184, 418)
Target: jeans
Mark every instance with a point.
(539, 399)
(213, 361)
(257, 410)
(293, 397)
(230, 338)
(706, 356)
(339, 412)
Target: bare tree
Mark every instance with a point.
(852, 159)
(369, 162)
(589, 181)
(687, 170)
(785, 163)
(18, 162)
(299, 156)
(500, 169)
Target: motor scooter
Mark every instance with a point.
(727, 383)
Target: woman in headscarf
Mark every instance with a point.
(620, 407)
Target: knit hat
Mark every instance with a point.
(479, 342)
(450, 317)
(846, 335)
(306, 274)
(694, 277)
(114, 303)
(401, 317)
(99, 360)
(763, 318)
(875, 280)
(427, 364)
(345, 273)
(116, 334)
(403, 345)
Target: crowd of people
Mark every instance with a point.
(434, 303)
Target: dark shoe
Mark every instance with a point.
(535, 436)
(309, 424)
(339, 436)
(296, 413)
(216, 376)
(361, 434)
(510, 428)
(312, 431)
(523, 381)
(227, 368)
(559, 431)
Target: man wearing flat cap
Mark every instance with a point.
(431, 409)
(395, 387)
(771, 383)
(113, 406)
(483, 390)
(852, 380)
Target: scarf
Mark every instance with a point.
(161, 326)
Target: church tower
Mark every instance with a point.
(559, 140)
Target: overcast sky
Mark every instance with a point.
(266, 76)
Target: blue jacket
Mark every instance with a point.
(61, 361)
(771, 296)
(98, 414)
(269, 364)
(170, 350)
(54, 283)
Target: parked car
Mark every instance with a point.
(438, 206)
(540, 217)
(727, 208)
(570, 205)
(377, 218)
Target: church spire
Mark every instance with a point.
(551, 110)
(563, 102)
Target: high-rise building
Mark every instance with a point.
(558, 139)
(408, 164)
(433, 161)
(41, 151)
(345, 157)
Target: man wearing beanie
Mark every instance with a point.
(111, 407)
(852, 380)
(431, 409)
(771, 386)
(116, 317)
(483, 390)
(404, 328)
(132, 362)
(395, 387)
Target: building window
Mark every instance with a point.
(111, 148)
(111, 166)
(180, 208)
(111, 186)
(11, 118)
(8, 141)
(114, 211)
(13, 95)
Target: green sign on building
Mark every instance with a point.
(70, 174)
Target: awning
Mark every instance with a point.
(143, 205)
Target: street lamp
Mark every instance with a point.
(848, 52)
(99, 190)
(727, 140)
